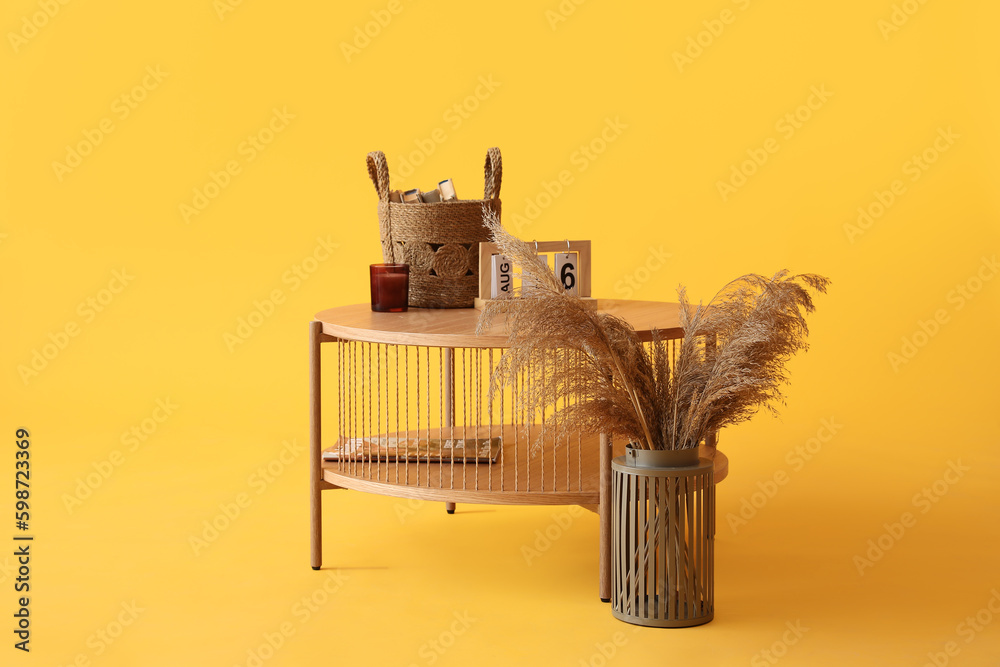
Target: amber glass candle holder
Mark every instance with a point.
(390, 287)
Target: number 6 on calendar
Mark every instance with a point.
(566, 271)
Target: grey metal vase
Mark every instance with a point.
(663, 529)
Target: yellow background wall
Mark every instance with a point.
(437, 84)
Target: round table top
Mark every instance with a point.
(456, 327)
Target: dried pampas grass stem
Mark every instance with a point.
(620, 386)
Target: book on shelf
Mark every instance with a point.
(392, 448)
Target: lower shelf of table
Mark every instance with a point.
(566, 472)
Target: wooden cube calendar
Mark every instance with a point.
(572, 265)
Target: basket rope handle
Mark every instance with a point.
(378, 171)
(493, 172)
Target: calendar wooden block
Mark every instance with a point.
(501, 276)
(567, 271)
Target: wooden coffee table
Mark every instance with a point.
(423, 377)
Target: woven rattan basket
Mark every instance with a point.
(440, 241)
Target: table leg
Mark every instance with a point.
(315, 448)
(712, 439)
(449, 400)
(604, 483)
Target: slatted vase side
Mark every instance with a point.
(663, 528)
